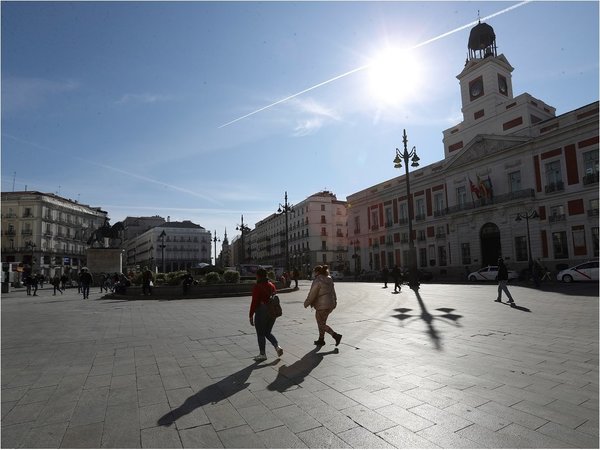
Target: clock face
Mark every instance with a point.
(476, 88)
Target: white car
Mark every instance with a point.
(587, 271)
(490, 273)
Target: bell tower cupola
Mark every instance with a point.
(482, 42)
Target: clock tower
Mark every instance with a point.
(489, 106)
(485, 81)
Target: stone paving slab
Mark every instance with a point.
(444, 367)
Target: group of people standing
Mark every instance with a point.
(322, 297)
(397, 277)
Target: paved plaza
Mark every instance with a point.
(446, 367)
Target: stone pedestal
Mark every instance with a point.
(104, 260)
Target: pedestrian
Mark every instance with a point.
(296, 274)
(397, 276)
(34, 284)
(41, 280)
(86, 280)
(188, 280)
(56, 284)
(385, 273)
(147, 281)
(63, 282)
(323, 298)
(27, 282)
(502, 280)
(537, 272)
(259, 314)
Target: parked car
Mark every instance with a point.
(587, 271)
(490, 273)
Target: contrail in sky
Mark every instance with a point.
(366, 66)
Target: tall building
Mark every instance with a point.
(516, 181)
(315, 234)
(47, 233)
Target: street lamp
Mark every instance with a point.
(31, 245)
(215, 240)
(405, 156)
(286, 207)
(243, 228)
(355, 245)
(162, 246)
(532, 214)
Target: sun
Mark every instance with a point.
(394, 76)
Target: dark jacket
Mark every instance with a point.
(502, 271)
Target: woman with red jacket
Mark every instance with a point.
(259, 315)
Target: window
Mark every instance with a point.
(442, 256)
(595, 240)
(356, 225)
(557, 213)
(421, 235)
(422, 257)
(322, 207)
(440, 231)
(521, 248)
(323, 220)
(403, 213)
(465, 251)
(324, 245)
(420, 206)
(375, 219)
(404, 238)
(590, 167)
(461, 196)
(388, 217)
(438, 201)
(324, 258)
(553, 177)
(323, 231)
(559, 243)
(593, 208)
(514, 181)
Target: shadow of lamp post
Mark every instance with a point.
(405, 155)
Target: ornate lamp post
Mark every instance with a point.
(405, 156)
(243, 229)
(162, 246)
(285, 208)
(215, 240)
(532, 214)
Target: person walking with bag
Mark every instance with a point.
(259, 314)
(323, 298)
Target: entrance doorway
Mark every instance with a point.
(491, 248)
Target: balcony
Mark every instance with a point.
(440, 236)
(403, 221)
(26, 232)
(593, 212)
(557, 218)
(590, 178)
(495, 200)
(554, 187)
(420, 217)
(10, 232)
(439, 212)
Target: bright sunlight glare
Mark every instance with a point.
(394, 75)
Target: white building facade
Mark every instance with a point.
(169, 247)
(46, 232)
(514, 177)
(316, 234)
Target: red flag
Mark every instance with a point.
(474, 189)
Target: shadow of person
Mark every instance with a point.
(293, 375)
(214, 393)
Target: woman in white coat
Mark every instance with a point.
(322, 297)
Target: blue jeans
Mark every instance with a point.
(502, 287)
(264, 324)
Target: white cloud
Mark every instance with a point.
(20, 94)
(143, 98)
(316, 115)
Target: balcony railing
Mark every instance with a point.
(590, 178)
(496, 199)
(420, 217)
(554, 187)
(593, 212)
(556, 218)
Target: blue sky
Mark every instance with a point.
(140, 107)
